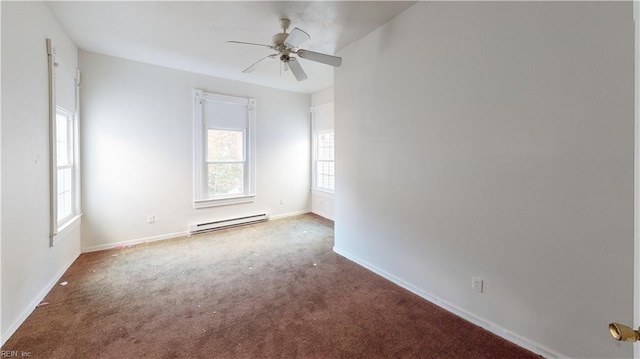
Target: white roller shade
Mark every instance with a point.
(219, 114)
(323, 117)
(65, 82)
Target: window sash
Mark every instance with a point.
(324, 160)
(243, 145)
(325, 175)
(64, 138)
(65, 167)
(210, 180)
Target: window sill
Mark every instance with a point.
(323, 193)
(66, 227)
(206, 203)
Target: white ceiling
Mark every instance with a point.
(191, 35)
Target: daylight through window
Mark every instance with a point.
(325, 163)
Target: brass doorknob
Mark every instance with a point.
(623, 332)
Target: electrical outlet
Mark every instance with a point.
(476, 284)
(151, 219)
(281, 200)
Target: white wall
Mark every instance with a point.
(138, 144)
(497, 140)
(29, 267)
(323, 204)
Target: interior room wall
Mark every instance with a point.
(137, 135)
(29, 266)
(322, 204)
(496, 140)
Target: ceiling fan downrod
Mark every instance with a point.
(284, 24)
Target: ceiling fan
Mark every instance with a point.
(286, 45)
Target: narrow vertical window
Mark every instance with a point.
(64, 141)
(65, 166)
(325, 163)
(224, 149)
(324, 168)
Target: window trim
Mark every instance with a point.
(316, 161)
(58, 230)
(200, 198)
(326, 192)
(65, 225)
(71, 147)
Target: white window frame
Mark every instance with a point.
(200, 193)
(316, 161)
(71, 150)
(244, 161)
(326, 192)
(60, 228)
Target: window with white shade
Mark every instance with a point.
(324, 170)
(224, 149)
(64, 79)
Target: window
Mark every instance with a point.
(325, 162)
(324, 170)
(65, 177)
(64, 142)
(225, 162)
(224, 149)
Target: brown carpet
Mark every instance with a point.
(270, 290)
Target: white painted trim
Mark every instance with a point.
(323, 108)
(63, 230)
(636, 182)
(32, 306)
(323, 193)
(53, 174)
(1, 336)
(290, 214)
(133, 242)
(468, 316)
(206, 203)
(161, 237)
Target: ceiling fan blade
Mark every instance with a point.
(334, 61)
(249, 43)
(296, 38)
(297, 70)
(252, 67)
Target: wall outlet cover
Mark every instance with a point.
(476, 284)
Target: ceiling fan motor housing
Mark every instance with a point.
(279, 38)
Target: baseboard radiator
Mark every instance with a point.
(227, 223)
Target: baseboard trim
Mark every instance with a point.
(32, 306)
(290, 214)
(468, 316)
(132, 242)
